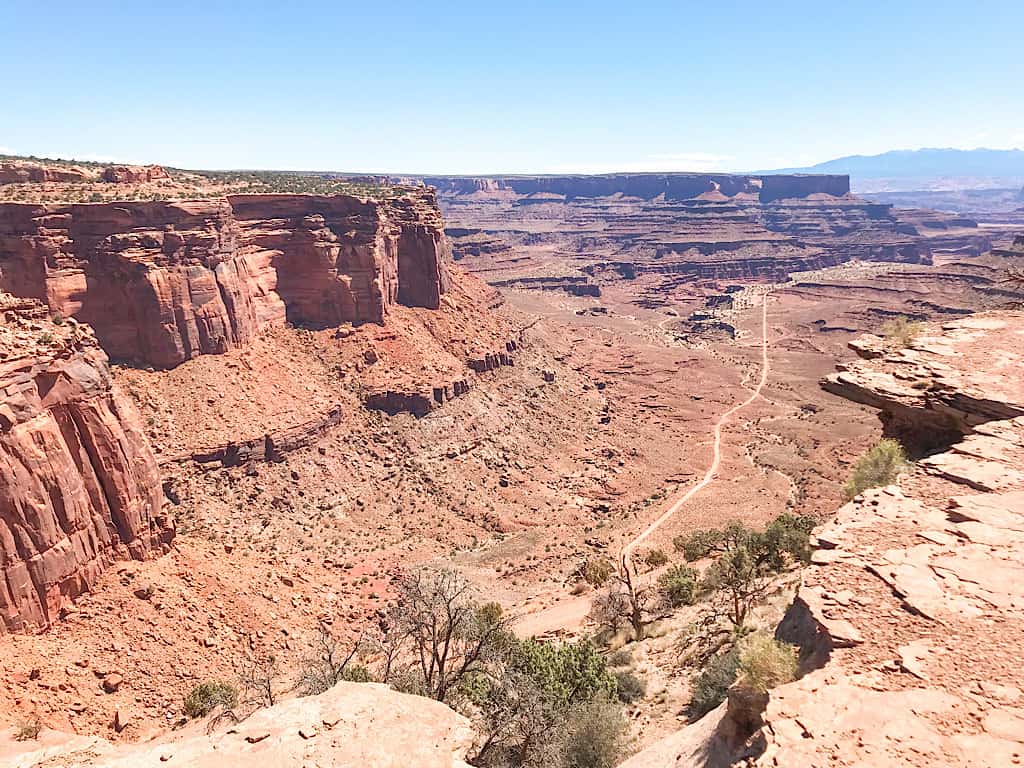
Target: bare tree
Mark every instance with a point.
(329, 664)
(259, 678)
(623, 602)
(440, 630)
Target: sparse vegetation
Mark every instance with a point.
(623, 602)
(879, 466)
(329, 665)
(901, 330)
(28, 730)
(629, 687)
(656, 558)
(597, 571)
(765, 662)
(596, 736)
(711, 684)
(208, 696)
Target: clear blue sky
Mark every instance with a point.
(483, 86)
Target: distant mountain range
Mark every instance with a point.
(906, 169)
(924, 162)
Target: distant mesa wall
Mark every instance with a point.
(79, 486)
(674, 186)
(163, 282)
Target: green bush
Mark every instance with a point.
(876, 468)
(208, 696)
(678, 586)
(698, 544)
(656, 558)
(765, 662)
(711, 684)
(630, 687)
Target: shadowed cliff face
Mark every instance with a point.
(79, 486)
(162, 282)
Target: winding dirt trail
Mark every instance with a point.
(572, 613)
(626, 556)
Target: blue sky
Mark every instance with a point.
(474, 87)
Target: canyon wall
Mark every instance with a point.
(647, 186)
(79, 486)
(162, 282)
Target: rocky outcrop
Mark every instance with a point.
(162, 282)
(23, 173)
(944, 383)
(420, 399)
(79, 486)
(133, 174)
(351, 724)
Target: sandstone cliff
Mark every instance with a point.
(78, 483)
(162, 282)
(352, 724)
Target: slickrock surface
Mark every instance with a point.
(78, 482)
(163, 282)
(351, 724)
(947, 381)
(912, 612)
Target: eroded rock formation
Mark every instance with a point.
(79, 486)
(22, 173)
(162, 282)
(133, 174)
(351, 724)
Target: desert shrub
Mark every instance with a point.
(596, 736)
(208, 696)
(656, 558)
(697, 544)
(787, 535)
(597, 571)
(621, 658)
(678, 586)
(28, 730)
(765, 662)
(876, 468)
(711, 684)
(901, 330)
(630, 687)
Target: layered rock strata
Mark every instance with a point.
(79, 486)
(577, 233)
(946, 382)
(162, 282)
